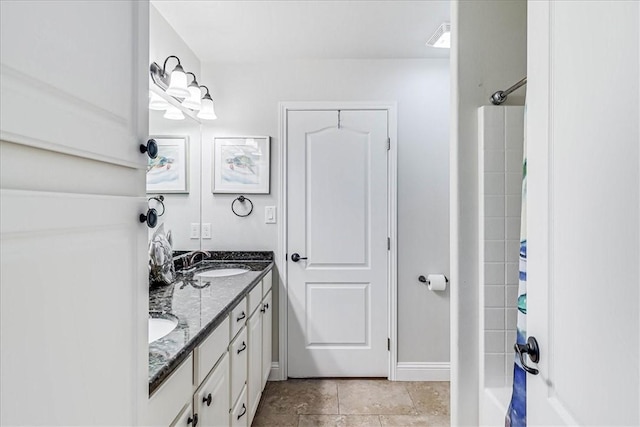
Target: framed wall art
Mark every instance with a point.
(241, 165)
(169, 171)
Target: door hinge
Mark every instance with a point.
(388, 143)
(388, 344)
(388, 243)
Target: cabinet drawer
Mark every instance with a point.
(238, 317)
(240, 413)
(167, 402)
(211, 349)
(267, 282)
(212, 401)
(238, 351)
(255, 298)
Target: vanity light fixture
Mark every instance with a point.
(193, 100)
(442, 37)
(207, 112)
(156, 102)
(174, 84)
(173, 113)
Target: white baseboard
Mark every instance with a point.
(275, 374)
(422, 371)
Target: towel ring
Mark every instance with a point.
(241, 199)
(160, 200)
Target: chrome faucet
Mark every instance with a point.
(189, 261)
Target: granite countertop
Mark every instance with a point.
(200, 305)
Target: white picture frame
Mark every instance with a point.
(241, 165)
(169, 171)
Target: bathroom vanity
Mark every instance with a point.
(211, 367)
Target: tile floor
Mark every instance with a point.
(353, 402)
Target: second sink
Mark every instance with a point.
(222, 272)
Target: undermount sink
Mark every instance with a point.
(160, 327)
(221, 272)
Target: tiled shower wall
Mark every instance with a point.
(501, 136)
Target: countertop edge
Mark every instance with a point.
(159, 378)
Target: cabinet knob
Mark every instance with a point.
(151, 148)
(151, 218)
(193, 420)
(207, 399)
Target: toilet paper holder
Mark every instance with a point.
(423, 279)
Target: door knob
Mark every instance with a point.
(531, 348)
(296, 257)
(151, 148)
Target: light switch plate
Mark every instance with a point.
(206, 230)
(269, 214)
(195, 231)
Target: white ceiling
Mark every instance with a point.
(247, 31)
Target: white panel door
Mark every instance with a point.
(74, 65)
(584, 212)
(337, 220)
(74, 280)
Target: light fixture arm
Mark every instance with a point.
(194, 81)
(206, 95)
(164, 66)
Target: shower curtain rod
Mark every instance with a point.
(500, 96)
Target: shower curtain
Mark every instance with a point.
(517, 412)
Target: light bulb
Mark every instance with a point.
(207, 112)
(157, 103)
(173, 113)
(178, 83)
(193, 101)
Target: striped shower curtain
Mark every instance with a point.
(517, 412)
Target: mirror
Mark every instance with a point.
(175, 174)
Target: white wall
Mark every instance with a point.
(247, 97)
(181, 209)
(488, 54)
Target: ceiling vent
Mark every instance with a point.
(442, 37)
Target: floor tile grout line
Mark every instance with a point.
(338, 396)
(413, 403)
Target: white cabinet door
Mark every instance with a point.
(267, 333)
(186, 418)
(583, 219)
(238, 355)
(254, 374)
(74, 288)
(212, 402)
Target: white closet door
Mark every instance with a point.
(74, 285)
(337, 192)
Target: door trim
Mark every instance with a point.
(392, 206)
